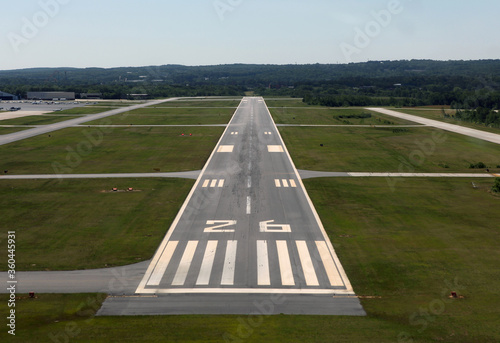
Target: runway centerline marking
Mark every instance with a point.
(249, 205)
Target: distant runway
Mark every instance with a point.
(486, 136)
(17, 136)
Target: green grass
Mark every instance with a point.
(276, 102)
(82, 224)
(383, 150)
(201, 103)
(121, 150)
(328, 116)
(37, 120)
(172, 116)
(7, 130)
(85, 110)
(436, 114)
(404, 252)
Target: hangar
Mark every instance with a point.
(51, 96)
(7, 96)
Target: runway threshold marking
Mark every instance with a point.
(287, 278)
(162, 264)
(307, 265)
(263, 277)
(207, 264)
(185, 264)
(229, 264)
(330, 268)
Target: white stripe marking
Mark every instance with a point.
(221, 183)
(213, 183)
(207, 264)
(275, 148)
(249, 205)
(293, 184)
(249, 183)
(185, 264)
(277, 182)
(229, 264)
(205, 183)
(285, 183)
(162, 264)
(307, 265)
(263, 278)
(285, 265)
(331, 269)
(225, 148)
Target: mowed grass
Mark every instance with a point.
(86, 110)
(111, 150)
(7, 130)
(404, 251)
(437, 114)
(172, 116)
(201, 103)
(387, 150)
(37, 120)
(82, 224)
(329, 116)
(286, 102)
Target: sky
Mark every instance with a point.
(120, 33)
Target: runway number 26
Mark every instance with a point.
(221, 226)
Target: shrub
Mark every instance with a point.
(496, 186)
(479, 165)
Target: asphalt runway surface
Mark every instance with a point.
(247, 233)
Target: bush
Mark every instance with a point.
(479, 165)
(496, 186)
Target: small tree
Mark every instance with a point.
(496, 186)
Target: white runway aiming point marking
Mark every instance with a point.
(275, 148)
(225, 148)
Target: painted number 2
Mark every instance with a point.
(220, 226)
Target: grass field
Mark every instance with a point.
(275, 102)
(328, 116)
(119, 150)
(436, 114)
(7, 130)
(52, 218)
(86, 110)
(385, 150)
(172, 116)
(37, 120)
(201, 103)
(404, 252)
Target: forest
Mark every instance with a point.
(471, 86)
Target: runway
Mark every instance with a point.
(247, 230)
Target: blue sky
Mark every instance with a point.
(112, 33)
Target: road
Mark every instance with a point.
(247, 232)
(17, 136)
(487, 136)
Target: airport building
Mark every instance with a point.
(51, 96)
(7, 96)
